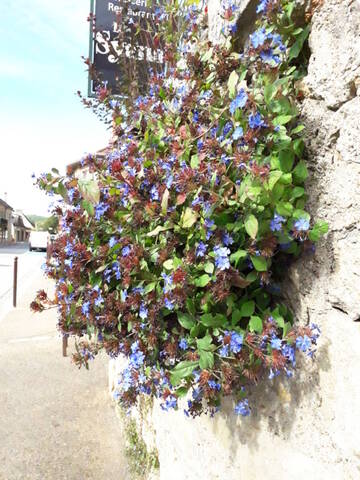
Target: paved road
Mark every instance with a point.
(28, 262)
(56, 422)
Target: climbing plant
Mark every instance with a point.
(173, 247)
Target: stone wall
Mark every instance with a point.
(308, 428)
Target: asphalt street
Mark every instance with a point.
(28, 263)
(56, 422)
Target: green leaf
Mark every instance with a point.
(165, 201)
(282, 119)
(235, 257)
(181, 392)
(284, 208)
(299, 146)
(188, 218)
(255, 324)
(194, 332)
(251, 226)
(157, 230)
(149, 287)
(247, 308)
(182, 370)
(210, 320)
(89, 189)
(300, 172)
(278, 318)
(209, 267)
(232, 82)
(259, 263)
(206, 359)
(286, 159)
(274, 177)
(205, 343)
(319, 229)
(297, 129)
(202, 281)
(169, 264)
(297, 192)
(88, 207)
(194, 162)
(190, 305)
(269, 92)
(236, 316)
(286, 329)
(297, 46)
(61, 190)
(186, 320)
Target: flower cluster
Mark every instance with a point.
(173, 247)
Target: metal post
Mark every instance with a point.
(15, 280)
(64, 345)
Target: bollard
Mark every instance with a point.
(64, 345)
(15, 281)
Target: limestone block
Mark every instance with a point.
(334, 68)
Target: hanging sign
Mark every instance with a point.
(123, 42)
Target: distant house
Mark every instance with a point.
(21, 227)
(78, 170)
(5, 221)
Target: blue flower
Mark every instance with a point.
(302, 225)
(224, 351)
(201, 249)
(183, 344)
(258, 38)
(236, 342)
(255, 121)
(214, 385)
(85, 308)
(242, 408)
(227, 239)
(239, 101)
(170, 402)
(123, 295)
(169, 304)
(100, 210)
(276, 343)
(168, 281)
(268, 56)
(276, 223)
(289, 353)
(154, 194)
(222, 257)
(99, 300)
(238, 133)
(273, 373)
(126, 251)
(112, 242)
(227, 128)
(143, 312)
(262, 6)
(116, 269)
(303, 343)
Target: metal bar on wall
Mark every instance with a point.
(91, 45)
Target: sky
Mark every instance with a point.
(42, 122)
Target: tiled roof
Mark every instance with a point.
(72, 167)
(4, 204)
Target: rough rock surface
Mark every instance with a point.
(307, 428)
(245, 17)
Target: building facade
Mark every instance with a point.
(5, 221)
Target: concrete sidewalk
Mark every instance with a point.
(56, 422)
